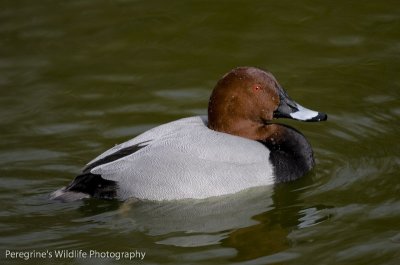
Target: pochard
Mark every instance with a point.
(236, 147)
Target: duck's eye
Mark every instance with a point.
(256, 88)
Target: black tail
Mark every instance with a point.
(87, 185)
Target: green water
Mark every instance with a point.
(77, 77)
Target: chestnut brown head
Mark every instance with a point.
(250, 97)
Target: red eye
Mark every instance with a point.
(256, 88)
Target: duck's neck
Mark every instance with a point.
(240, 127)
(291, 153)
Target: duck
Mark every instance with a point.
(237, 146)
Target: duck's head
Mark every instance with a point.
(247, 99)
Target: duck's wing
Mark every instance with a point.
(115, 155)
(102, 183)
(142, 140)
(188, 161)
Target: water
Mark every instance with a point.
(77, 77)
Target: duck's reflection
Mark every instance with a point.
(212, 216)
(255, 222)
(270, 234)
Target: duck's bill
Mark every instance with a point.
(288, 108)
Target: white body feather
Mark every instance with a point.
(186, 159)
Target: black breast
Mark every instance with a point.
(291, 154)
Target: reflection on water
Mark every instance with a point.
(259, 216)
(77, 77)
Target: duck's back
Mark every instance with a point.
(185, 159)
